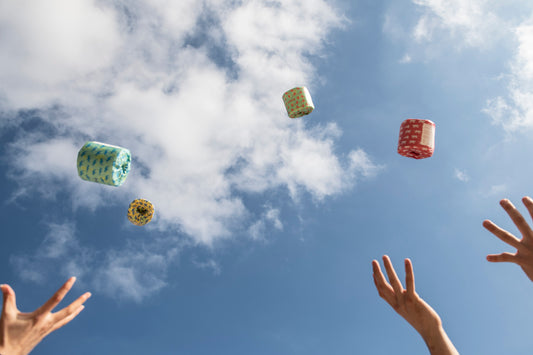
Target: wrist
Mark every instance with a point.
(432, 330)
(6, 350)
(438, 342)
(432, 334)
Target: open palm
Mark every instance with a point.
(21, 332)
(524, 247)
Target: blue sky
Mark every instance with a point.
(265, 226)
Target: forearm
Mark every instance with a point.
(438, 342)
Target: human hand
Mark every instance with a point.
(524, 247)
(407, 303)
(21, 332)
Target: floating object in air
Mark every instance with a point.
(140, 212)
(298, 102)
(103, 163)
(417, 138)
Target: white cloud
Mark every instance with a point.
(58, 241)
(472, 21)
(58, 244)
(483, 23)
(50, 159)
(193, 89)
(516, 110)
(361, 164)
(406, 59)
(497, 190)
(197, 101)
(431, 29)
(270, 217)
(461, 175)
(208, 265)
(131, 272)
(49, 47)
(47, 165)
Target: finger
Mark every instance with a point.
(67, 319)
(384, 289)
(10, 301)
(393, 278)
(517, 218)
(504, 235)
(379, 278)
(528, 202)
(502, 258)
(71, 308)
(409, 277)
(57, 297)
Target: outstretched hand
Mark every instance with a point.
(407, 303)
(21, 332)
(524, 247)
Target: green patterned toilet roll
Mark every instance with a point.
(103, 163)
(298, 102)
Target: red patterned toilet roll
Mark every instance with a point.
(417, 138)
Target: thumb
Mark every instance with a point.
(10, 303)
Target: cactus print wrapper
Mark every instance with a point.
(103, 163)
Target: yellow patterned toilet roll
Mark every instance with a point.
(140, 212)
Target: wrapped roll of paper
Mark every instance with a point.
(140, 212)
(298, 102)
(417, 138)
(103, 163)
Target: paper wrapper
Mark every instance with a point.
(298, 102)
(417, 138)
(103, 163)
(140, 212)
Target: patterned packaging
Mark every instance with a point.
(103, 163)
(298, 102)
(417, 138)
(140, 212)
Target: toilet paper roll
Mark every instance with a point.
(140, 212)
(298, 102)
(417, 138)
(103, 163)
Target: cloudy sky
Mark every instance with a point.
(265, 226)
